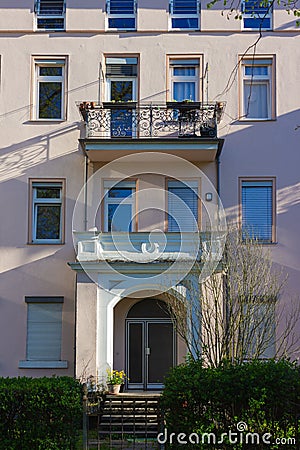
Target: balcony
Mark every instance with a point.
(146, 261)
(174, 127)
(148, 247)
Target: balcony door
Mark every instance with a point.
(121, 90)
(150, 344)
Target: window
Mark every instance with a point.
(119, 206)
(258, 327)
(121, 86)
(184, 77)
(258, 209)
(47, 212)
(50, 15)
(184, 14)
(258, 96)
(49, 91)
(121, 14)
(257, 14)
(44, 333)
(182, 206)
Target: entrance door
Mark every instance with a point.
(122, 119)
(150, 345)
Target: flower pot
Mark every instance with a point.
(114, 388)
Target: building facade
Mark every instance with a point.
(123, 124)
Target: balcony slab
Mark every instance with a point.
(196, 149)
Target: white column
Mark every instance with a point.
(105, 333)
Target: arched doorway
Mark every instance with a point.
(150, 344)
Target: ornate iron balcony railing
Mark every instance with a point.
(132, 120)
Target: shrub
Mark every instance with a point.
(263, 394)
(39, 413)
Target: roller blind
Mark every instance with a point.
(257, 209)
(44, 324)
(182, 206)
(126, 67)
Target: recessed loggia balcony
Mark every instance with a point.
(121, 128)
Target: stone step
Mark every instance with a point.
(140, 425)
(129, 434)
(127, 412)
(129, 417)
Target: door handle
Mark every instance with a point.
(147, 351)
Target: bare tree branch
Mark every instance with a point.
(237, 312)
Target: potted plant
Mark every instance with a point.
(114, 381)
(120, 104)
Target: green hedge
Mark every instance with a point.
(264, 395)
(39, 413)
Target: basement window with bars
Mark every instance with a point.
(257, 15)
(44, 333)
(258, 210)
(121, 15)
(182, 206)
(184, 14)
(50, 15)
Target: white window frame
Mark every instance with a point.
(110, 79)
(191, 184)
(173, 15)
(134, 96)
(46, 201)
(109, 184)
(120, 16)
(34, 357)
(260, 182)
(187, 62)
(258, 80)
(255, 15)
(40, 15)
(38, 63)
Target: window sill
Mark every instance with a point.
(45, 243)
(263, 243)
(184, 29)
(257, 120)
(49, 30)
(43, 364)
(120, 30)
(54, 121)
(256, 29)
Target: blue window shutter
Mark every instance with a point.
(121, 6)
(257, 209)
(185, 7)
(182, 196)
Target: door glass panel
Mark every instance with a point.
(160, 359)
(149, 308)
(135, 363)
(121, 90)
(121, 119)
